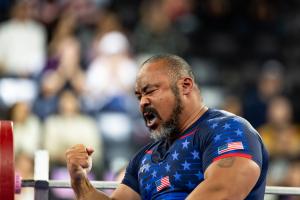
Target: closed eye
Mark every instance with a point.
(147, 90)
(150, 91)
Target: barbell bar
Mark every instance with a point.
(67, 184)
(11, 183)
(113, 185)
(278, 190)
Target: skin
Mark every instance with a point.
(227, 179)
(153, 89)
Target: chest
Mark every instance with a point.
(178, 170)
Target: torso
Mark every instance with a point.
(172, 171)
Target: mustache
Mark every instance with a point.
(152, 111)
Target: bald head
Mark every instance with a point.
(176, 66)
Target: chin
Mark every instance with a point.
(156, 134)
(160, 133)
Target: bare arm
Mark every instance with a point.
(85, 191)
(229, 178)
(78, 162)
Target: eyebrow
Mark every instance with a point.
(145, 88)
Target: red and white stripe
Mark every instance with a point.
(232, 146)
(164, 183)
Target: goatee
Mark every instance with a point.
(169, 129)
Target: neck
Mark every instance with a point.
(193, 116)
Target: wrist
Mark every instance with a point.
(82, 188)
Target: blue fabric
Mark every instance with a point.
(215, 135)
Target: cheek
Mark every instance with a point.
(165, 107)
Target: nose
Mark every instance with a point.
(144, 102)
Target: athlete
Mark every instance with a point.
(198, 152)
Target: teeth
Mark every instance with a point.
(150, 118)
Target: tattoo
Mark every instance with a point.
(226, 162)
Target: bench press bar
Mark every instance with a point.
(278, 190)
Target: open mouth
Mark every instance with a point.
(150, 119)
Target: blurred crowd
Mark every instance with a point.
(68, 67)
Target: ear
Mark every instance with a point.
(187, 85)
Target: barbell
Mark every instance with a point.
(11, 183)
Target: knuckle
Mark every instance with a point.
(85, 164)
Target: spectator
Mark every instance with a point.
(22, 43)
(108, 22)
(280, 135)
(155, 32)
(66, 128)
(282, 139)
(269, 84)
(113, 62)
(46, 102)
(27, 129)
(64, 49)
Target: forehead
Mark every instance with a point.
(152, 73)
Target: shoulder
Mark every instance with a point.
(221, 125)
(230, 135)
(216, 116)
(221, 120)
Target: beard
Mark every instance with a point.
(169, 129)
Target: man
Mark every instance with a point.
(198, 152)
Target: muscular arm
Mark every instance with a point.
(228, 178)
(85, 191)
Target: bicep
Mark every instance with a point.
(237, 175)
(228, 178)
(125, 192)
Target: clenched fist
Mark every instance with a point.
(79, 161)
